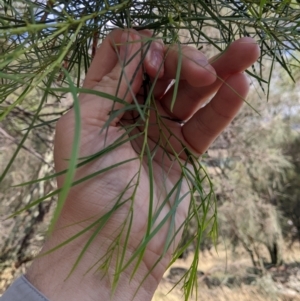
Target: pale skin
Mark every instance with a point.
(222, 78)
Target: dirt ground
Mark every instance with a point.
(224, 276)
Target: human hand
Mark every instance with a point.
(92, 199)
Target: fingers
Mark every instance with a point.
(154, 49)
(116, 71)
(239, 56)
(106, 57)
(194, 68)
(204, 127)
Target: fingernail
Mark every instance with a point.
(201, 63)
(126, 45)
(156, 59)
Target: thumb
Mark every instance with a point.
(118, 85)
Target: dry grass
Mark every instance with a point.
(222, 263)
(243, 293)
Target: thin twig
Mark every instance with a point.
(28, 149)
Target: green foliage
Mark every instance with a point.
(47, 47)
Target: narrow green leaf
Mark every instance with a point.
(74, 156)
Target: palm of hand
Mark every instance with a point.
(127, 182)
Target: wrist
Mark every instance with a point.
(50, 273)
